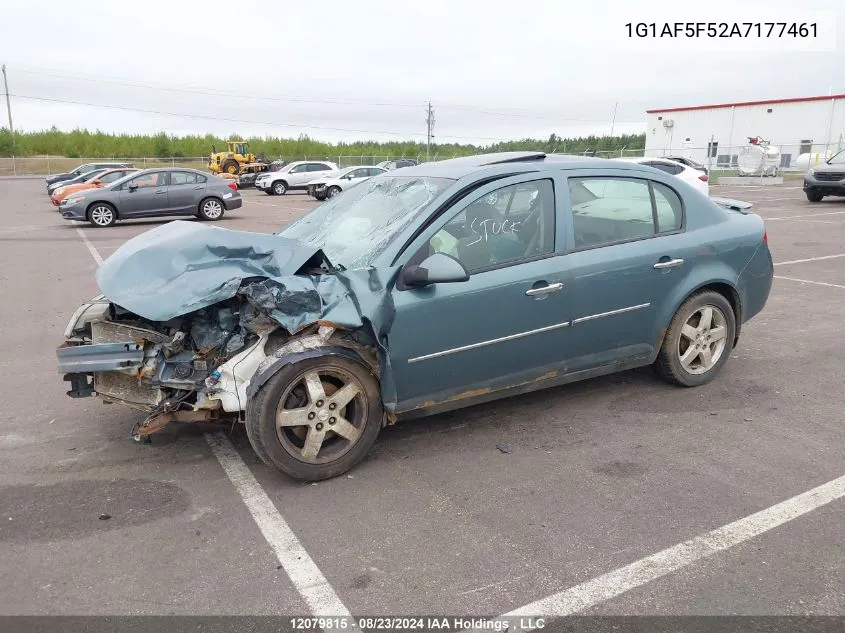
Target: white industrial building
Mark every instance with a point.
(809, 127)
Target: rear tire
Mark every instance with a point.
(814, 197)
(311, 417)
(211, 209)
(102, 214)
(279, 188)
(699, 340)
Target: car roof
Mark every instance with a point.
(152, 170)
(313, 160)
(511, 162)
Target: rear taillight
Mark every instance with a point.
(233, 186)
(703, 177)
(765, 237)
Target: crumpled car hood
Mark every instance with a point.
(180, 267)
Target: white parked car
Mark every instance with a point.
(695, 177)
(332, 184)
(293, 176)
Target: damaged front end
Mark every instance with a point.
(190, 369)
(190, 314)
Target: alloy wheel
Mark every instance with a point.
(102, 215)
(212, 209)
(703, 339)
(321, 415)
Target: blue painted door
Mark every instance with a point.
(506, 325)
(628, 254)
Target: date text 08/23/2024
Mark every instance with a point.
(416, 623)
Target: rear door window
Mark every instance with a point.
(611, 210)
(183, 178)
(620, 210)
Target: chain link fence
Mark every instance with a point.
(44, 165)
(790, 158)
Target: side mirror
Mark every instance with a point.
(436, 269)
(97, 183)
(132, 186)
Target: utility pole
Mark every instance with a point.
(429, 124)
(613, 123)
(8, 104)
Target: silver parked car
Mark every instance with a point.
(152, 193)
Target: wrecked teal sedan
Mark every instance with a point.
(419, 291)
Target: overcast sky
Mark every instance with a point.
(341, 70)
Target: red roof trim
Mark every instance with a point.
(746, 103)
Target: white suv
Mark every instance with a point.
(293, 176)
(696, 177)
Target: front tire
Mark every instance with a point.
(814, 197)
(230, 166)
(333, 191)
(315, 419)
(102, 214)
(699, 340)
(279, 188)
(211, 209)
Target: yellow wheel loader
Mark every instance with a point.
(235, 160)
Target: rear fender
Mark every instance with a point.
(714, 272)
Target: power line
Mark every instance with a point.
(231, 120)
(212, 92)
(301, 99)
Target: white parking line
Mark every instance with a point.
(303, 572)
(806, 215)
(810, 259)
(94, 253)
(301, 569)
(807, 281)
(619, 581)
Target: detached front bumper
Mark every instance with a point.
(112, 360)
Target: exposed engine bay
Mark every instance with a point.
(196, 368)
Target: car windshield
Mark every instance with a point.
(353, 228)
(837, 159)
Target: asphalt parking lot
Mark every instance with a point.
(588, 478)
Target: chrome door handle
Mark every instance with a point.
(162, 191)
(672, 263)
(533, 292)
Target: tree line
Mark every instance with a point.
(83, 143)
